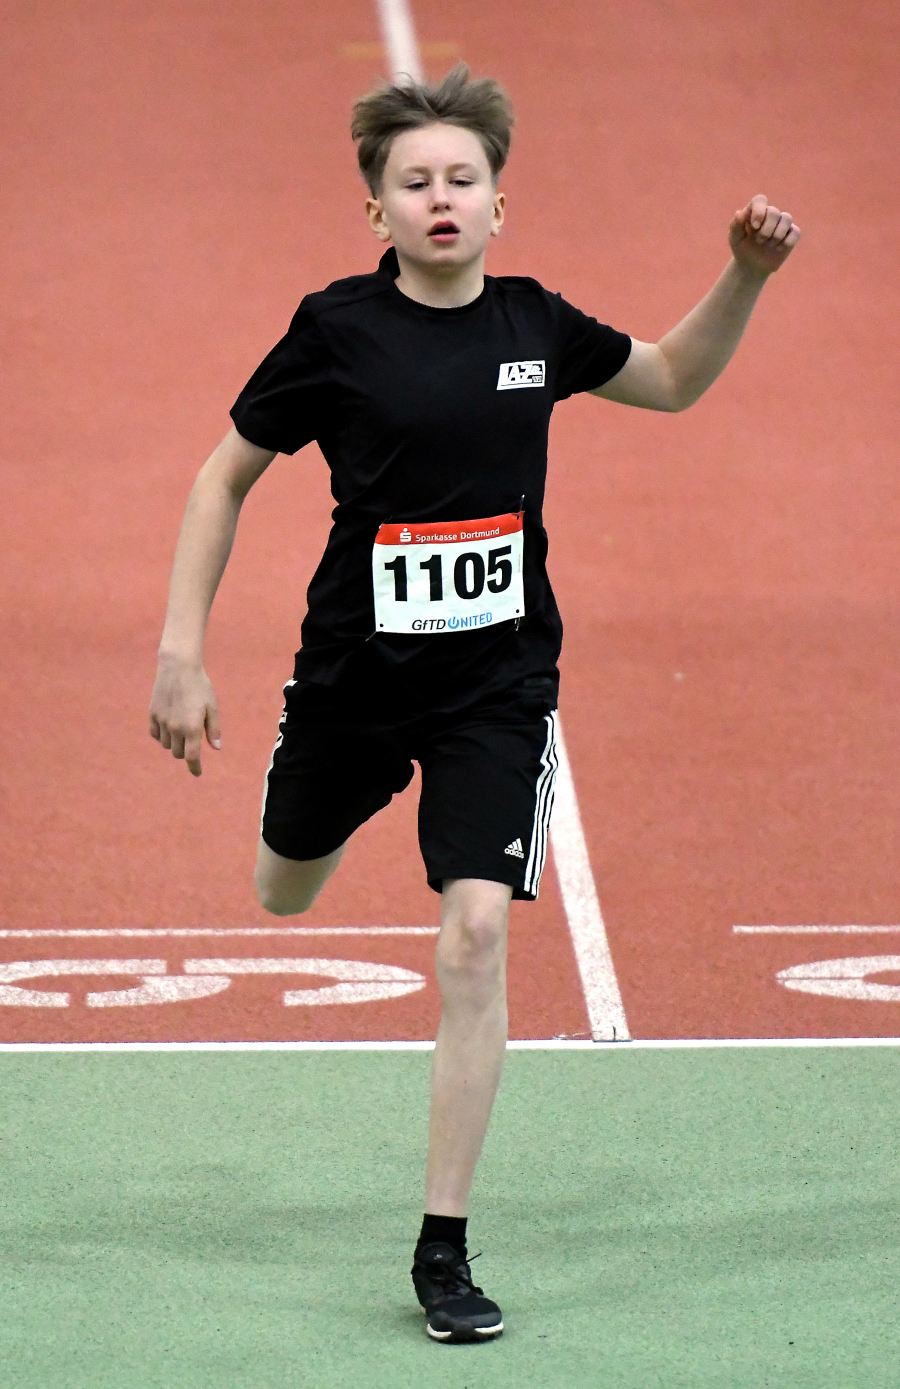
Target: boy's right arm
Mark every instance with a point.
(183, 703)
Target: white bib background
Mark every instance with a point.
(448, 576)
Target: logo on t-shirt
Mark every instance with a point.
(516, 375)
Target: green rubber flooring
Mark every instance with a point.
(722, 1218)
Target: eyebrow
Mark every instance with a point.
(424, 169)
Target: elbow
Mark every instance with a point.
(677, 392)
(673, 395)
(682, 398)
(672, 403)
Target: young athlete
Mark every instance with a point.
(432, 634)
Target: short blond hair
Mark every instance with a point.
(480, 105)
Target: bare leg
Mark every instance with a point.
(286, 886)
(471, 1039)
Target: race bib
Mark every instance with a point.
(448, 576)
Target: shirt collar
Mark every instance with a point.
(389, 264)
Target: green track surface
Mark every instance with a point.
(654, 1218)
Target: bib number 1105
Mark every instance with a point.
(448, 576)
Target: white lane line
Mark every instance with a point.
(400, 39)
(606, 1012)
(598, 1048)
(815, 930)
(228, 933)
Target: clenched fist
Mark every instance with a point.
(761, 236)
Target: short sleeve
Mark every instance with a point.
(590, 353)
(282, 406)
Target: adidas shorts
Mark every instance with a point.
(487, 782)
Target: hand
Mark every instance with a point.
(761, 237)
(181, 707)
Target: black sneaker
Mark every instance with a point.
(455, 1308)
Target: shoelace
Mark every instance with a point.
(454, 1279)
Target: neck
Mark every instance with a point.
(441, 287)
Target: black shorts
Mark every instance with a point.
(487, 781)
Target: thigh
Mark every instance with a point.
(487, 794)
(286, 886)
(327, 776)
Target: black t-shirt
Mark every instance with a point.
(405, 405)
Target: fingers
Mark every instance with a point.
(191, 752)
(184, 744)
(778, 231)
(762, 225)
(756, 211)
(182, 708)
(213, 730)
(768, 225)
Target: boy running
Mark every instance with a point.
(432, 634)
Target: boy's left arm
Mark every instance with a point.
(673, 373)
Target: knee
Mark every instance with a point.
(472, 950)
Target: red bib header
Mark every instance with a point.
(449, 532)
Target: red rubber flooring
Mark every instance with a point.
(729, 578)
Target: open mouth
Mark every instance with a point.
(442, 231)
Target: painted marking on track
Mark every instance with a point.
(606, 1012)
(360, 981)
(815, 930)
(228, 932)
(400, 39)
(846, 978)
(152, 989)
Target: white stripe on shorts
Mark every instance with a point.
(278, 741)
(537, 853)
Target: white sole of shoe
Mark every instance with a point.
(484, 1332)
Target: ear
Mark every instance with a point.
(498, 214)
(375, 214)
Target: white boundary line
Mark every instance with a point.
(400, 39)
(598, 1048)
(606, 1012)
(815, 930)
(228, 932)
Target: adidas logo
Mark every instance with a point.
(515, 849)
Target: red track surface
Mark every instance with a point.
(729, 578)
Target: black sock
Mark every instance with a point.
(444, 1229)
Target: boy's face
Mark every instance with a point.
(437, 203)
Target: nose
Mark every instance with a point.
(440, 196)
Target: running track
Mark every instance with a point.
(176, 179)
